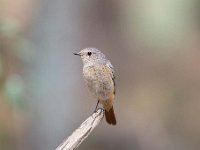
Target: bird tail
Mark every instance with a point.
(110, 116)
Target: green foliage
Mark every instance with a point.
(14, 89)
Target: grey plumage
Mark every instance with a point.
(99, 76)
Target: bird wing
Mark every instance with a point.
(108, 64)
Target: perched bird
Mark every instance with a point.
(99, 76)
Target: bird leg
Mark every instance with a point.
(96, 106)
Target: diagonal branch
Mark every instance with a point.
(81, 133)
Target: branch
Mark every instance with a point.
(81, 133)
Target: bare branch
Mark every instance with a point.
(81, 133)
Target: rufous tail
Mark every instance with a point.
(110, 116)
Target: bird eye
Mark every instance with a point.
(89, 53)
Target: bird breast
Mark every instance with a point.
(99, 81)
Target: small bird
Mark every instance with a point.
(99, 76)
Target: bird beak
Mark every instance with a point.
(77, 54)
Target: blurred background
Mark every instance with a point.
(153, 45)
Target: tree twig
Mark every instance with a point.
(81, 133)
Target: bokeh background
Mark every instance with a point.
(153, 45)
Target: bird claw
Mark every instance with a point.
(100, 108)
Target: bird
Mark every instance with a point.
(98, 73)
